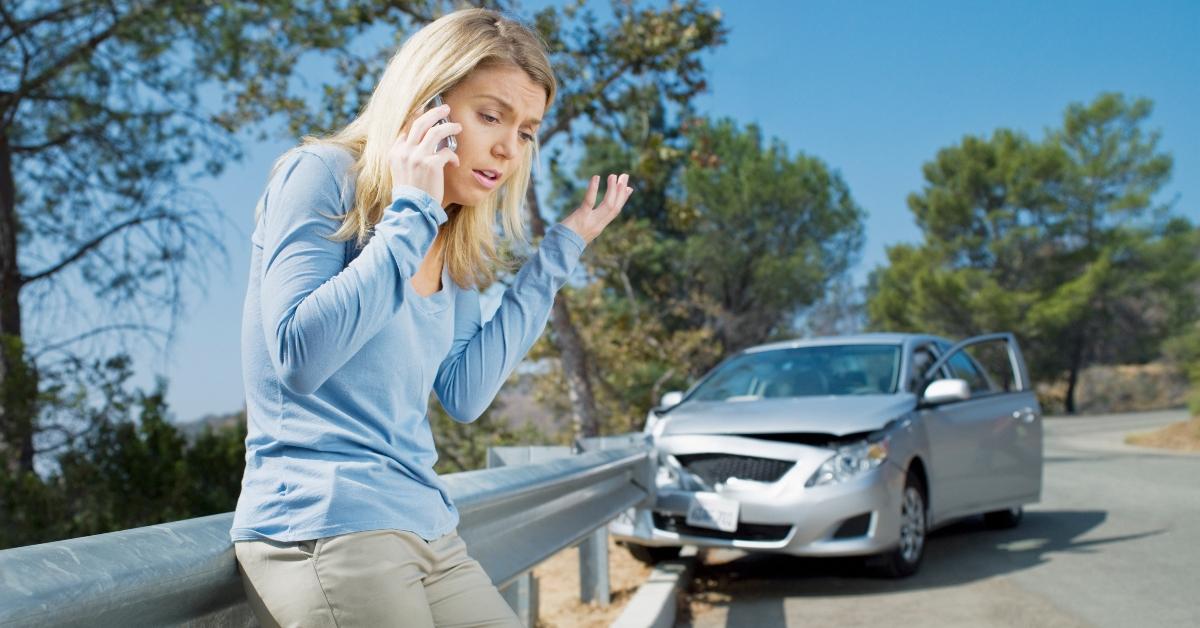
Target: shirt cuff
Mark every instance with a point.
(422, 201)
(566, 238)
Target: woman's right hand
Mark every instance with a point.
(414, 158)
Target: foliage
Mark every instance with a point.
(105, 122)
(607, 68)
(1058, 240)
(106, 116)
(127, 471)
(1185, 350)
(768, 231)
(841, 311)
(727, 239)
(463, 446)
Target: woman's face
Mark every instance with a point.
(499, 109)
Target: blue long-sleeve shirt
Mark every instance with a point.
(340, 353)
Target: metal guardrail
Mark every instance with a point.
(185, 573)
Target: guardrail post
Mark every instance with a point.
(522, 593)
(593, 567)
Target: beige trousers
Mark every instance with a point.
(375, 578)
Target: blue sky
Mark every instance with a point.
(873, 88)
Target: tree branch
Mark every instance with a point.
(95, 332)
(408, 10)
(53, 14)
(58, 141)
(88, 246)
(68, 437)
(12, 97)
(563, 123)
(73, 55)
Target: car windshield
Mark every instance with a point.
(805, 372)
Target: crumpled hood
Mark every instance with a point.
(827, 415)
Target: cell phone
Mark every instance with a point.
(448, 141)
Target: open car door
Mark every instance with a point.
(999, 417)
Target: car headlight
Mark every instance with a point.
(850, 461)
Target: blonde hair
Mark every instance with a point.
(433, 61)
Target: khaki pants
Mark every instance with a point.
(375, 578)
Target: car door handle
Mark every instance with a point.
(1025, 414)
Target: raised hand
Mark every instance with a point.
(414, 158)
(590, 219)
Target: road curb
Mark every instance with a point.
(655, 603)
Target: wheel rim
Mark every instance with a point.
(912, 525)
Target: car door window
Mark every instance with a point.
(922, 359)
(963, 367)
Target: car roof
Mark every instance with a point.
(880, 338)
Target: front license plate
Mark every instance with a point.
(709, 510)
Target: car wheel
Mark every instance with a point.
(1003, 519)
(653, 555)
(906, 558)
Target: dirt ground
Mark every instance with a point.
(1181, 436)
(1120, 388)
(558, 589)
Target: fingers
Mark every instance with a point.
(622, 192)
(589, 219)
(593, 218)
(438, 133)
(625, 196)
(589, 199)
(444, 157)
(610, 190)
(617, 193)
(424, 122)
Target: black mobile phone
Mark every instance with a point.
(449, 141)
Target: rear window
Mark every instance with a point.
(805, 372)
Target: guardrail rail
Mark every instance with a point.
(185, 573)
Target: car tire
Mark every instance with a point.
(914, 517)
(1004, 519)
(653, 555)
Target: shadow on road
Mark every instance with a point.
(958, 554)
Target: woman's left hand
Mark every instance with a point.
(588, 221)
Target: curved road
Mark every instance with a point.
(1115, 541)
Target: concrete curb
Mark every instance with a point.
(654, 604)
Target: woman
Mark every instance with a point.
(368, 255)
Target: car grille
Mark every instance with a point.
(716, 468)
(745, 532)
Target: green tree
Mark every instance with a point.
(605, 67)
(133, 468)
(770, 233)
(1184, 349)
(102, 128)
(463, 446)
(1059, 240)
(732, 239)
(120, 82)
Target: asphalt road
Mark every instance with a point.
(1115, 541)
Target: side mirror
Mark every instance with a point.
(670, 399)
(945, 391)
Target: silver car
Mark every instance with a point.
(843, 446)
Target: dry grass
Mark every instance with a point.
(1181, 436)
(1120, 388)
(558, 589)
